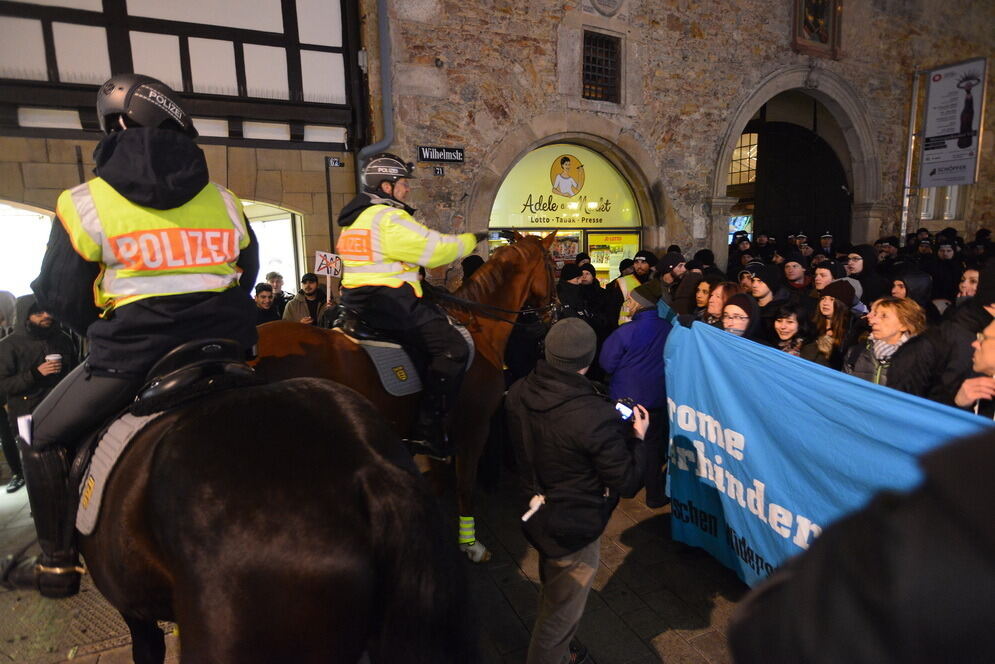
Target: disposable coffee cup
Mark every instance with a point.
(54, 357)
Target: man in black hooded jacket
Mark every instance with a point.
(26, 375)
(145, 257)
(577, 452)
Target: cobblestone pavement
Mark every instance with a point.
(653, 599)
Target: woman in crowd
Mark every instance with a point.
(702, 293)
(832, 321)
(741, 316)
(966, 289)
(717, 299)
(793, 333)
(894, 322)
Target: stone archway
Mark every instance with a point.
(612, 141)
(833, 92)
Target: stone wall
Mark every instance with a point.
(34, 171)
(501, 77)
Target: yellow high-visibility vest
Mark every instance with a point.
(146, 252)
(385, 246)
(626, 284)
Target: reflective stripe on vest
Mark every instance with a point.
(626, 284)
(146, 252)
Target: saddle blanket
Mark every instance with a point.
(396, 370)
(109, 449)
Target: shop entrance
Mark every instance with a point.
(580, 194)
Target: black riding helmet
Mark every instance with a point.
(142, 101)
(385, 167)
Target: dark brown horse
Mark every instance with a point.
(519, 273)
(268, 523)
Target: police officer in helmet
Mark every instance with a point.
(382, 247)
(146, 256)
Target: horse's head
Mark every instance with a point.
(541, 273)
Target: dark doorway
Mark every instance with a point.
(800, 185)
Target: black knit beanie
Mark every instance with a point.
(570, 345)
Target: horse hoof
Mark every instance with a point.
(476, 552)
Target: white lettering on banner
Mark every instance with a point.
(709, 468)
(174, 248)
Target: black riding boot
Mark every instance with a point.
(428, 436)
(56, 573)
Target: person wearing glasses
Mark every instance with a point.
(861, 264)
(741, 316)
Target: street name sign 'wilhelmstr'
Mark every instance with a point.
(452, 155)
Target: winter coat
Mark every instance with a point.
(22, 352)
(579, 446)
(297, 308)
(860, 362)
(909, 579)
(633, 355)
(159, 169)
(944, 357)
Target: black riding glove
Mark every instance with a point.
(480, 237)
(508, 235)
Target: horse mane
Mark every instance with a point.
(492, 276)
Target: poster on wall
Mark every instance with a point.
(564, 186)
(955, 101)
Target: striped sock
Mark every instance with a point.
(467, 530)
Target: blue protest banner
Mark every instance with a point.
(767, 449)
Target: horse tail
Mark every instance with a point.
(422, 587)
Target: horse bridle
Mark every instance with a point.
(490, 311)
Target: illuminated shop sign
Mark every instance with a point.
(564, 186)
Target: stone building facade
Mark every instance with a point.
(502, 77)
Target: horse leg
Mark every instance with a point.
(148, 644)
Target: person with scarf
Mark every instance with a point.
(793, 334)
(894, 322)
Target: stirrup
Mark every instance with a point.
(69, 569)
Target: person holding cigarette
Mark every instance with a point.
(32, 360)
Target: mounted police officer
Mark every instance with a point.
(146, 256)
(382, 247)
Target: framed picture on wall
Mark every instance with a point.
(816, 27)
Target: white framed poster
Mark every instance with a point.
(951, 137)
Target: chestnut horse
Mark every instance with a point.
(519, 273)
(269, 524)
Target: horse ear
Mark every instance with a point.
(518, 236)
(547, 241)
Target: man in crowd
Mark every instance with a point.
(642, 266)
(280, 299)
(32, 360)
(577, 452)
(309, 303)
(826, 245)
(265, 309)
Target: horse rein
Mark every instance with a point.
(490, 311)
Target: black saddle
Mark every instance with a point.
(192, 370)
